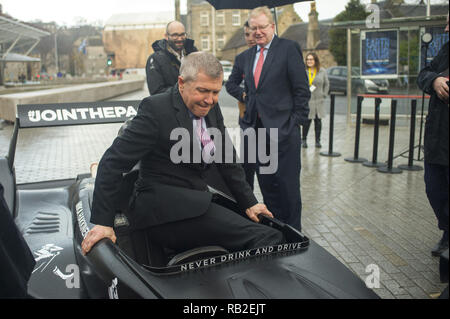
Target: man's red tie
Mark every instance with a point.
(259, 66)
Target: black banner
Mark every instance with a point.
(62, 114)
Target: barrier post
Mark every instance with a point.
(412, 132)
(356, 158)
(374, 162)
(389, 168)
(330, 152)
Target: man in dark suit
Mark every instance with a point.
(172, 200)
(433, 79)
(277, 98)
(235, 89)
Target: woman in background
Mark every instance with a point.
(319, 87)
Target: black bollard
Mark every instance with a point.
(355, 158)
(374, 162)
(412, 132)
(389, 168)
(330, 152)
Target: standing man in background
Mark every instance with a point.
(277, 98)
(235, 89)
(434, 81)
(163, 66)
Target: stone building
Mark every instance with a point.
(89, 57)
(313, 36)
(211, 29)
(286, 16)
(128, 38)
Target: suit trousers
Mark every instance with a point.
(436, 186)
(248, 165)
(281, 190)
(219, 226)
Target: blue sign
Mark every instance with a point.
(379, 53)
(439, 39)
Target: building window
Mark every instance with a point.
(221, 41)
(220, 18)
(205, 42)
(236, 18)
(204, 18)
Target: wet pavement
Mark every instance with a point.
(367, 219)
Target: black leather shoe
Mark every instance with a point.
(318, 145)
(439, 248)
(304, 145)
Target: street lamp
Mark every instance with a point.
(426, 38)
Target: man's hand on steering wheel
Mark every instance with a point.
(257, 209)
(97, 233)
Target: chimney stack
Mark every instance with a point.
(177, 10)
(313, 36)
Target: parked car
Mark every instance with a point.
(227, 67)
(337, 76)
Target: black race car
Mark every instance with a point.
(53, 217)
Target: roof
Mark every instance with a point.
(11, 29)
(236, 41)
(389, 10)
(15, 57)
(139, 20)
(197, 2)
(298, 32)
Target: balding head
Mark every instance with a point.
(175, 35)
(173, 26)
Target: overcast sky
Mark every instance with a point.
(69, 12)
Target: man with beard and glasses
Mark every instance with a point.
(163, 65)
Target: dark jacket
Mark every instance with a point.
(163, 67)
(166, 191)
(16, 260)
(436, 125)
(233, 85)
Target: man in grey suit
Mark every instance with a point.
(172, 200)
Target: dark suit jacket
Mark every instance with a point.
(282, 96)
(436, 125)
(16, 260)
(236, 77)
(166, 191)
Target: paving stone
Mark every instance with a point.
(396, 260)
(426, 285)
(404, 297)
(403, 280)
(417, 292)
(348, 257)
(384, 293)
(322, 228)
(394, 287)
(410, 272)
(388, 267)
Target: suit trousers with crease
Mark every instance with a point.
(281, 190)
(219, 226)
